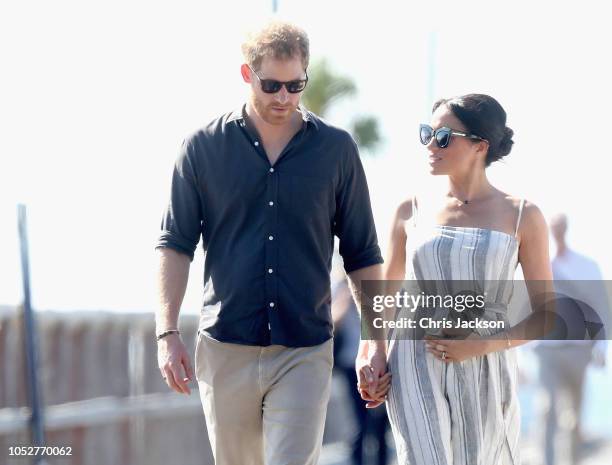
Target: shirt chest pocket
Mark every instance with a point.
(310, 196)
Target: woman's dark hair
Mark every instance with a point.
(483, 116)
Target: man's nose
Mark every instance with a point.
(282, 96)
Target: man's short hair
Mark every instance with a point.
(279, 40)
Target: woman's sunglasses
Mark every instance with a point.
(442, 135)
(272, 86)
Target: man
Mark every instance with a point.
(267, 187)
(563, 363)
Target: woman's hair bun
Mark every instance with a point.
(506, 142)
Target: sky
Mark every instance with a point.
(96, 97)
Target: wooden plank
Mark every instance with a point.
(104, 410)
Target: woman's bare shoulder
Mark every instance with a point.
(531, 217)
(405, 209)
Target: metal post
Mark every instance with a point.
(37, 434)
(431, 72)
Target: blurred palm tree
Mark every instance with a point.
(365, 131)
(325, 88)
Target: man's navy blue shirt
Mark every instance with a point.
(268, 230)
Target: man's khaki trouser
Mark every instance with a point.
(264, 401)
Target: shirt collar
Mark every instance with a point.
(239, 115)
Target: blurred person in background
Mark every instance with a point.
(370, 424)
(454, 402)
(563, 363)
(266, 187)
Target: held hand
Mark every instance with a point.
(371, 365)
(455, 350)
(378, 397)
(174, 364)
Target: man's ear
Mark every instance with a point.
(246, 73)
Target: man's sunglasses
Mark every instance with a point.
(442, 135)
(272, 86)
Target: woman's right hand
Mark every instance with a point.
(371, 365)
(380, 396)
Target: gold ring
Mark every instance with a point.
(444, 355)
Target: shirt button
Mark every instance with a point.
(270, 270)
(270, 203)
(271, 304)
(271, 170)
(256, 143)
(270, 238)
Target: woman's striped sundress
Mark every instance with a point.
(464, 413)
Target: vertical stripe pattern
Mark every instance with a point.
(464, 413)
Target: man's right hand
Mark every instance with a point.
(174, 363)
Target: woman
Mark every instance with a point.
(454, 402)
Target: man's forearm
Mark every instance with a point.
(364, 297)
(172, 283)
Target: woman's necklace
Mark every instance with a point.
(461, 202)
(467, 201)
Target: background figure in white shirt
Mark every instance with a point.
(563, 363)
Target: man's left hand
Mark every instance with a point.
(371, 366)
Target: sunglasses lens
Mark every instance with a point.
(294, 87)
(442, 138)
(270, 86)
(425, 134)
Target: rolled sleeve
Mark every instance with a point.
(181, 225)
(354, 222)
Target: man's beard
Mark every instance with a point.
(266, 112)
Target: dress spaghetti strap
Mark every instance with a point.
(518, 220)
(414, 211)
